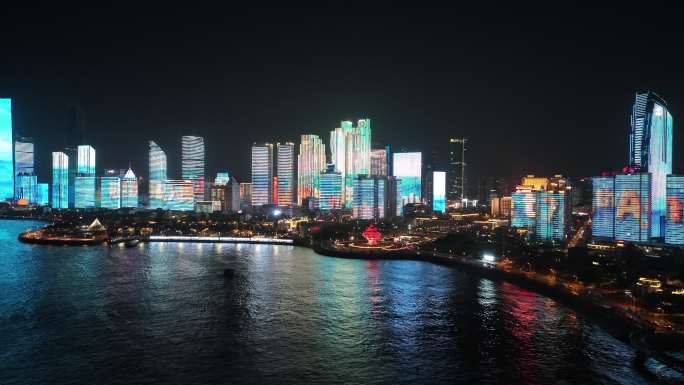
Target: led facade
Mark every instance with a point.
(330, 189)
(262, 174)
(60, 180)
(407, 166)
(310, 163)
(524, 209)
(129, 190)
(674, 229)
(27, 187)
(379, 157)
(85, 192)
(179, 195)
(245, 195)
(23, 162)
(157, 165)
(369, 197)
(457, 170)
(551, 216)
(110, 192)
(6, 155)
(350, 148)
(603, 203)
(632, 207)
(285, 173)
(43, 195)
(193, 163)
(439, 191)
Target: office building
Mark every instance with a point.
(85, 180)
(43, 194)
(650, 150)
(310, 163)
(129, 190)
(330, 189)
(6, 155)
(632, 207)
(551, 217)
(158, 174)
(369, 197)
(26, 187)
(393, 200)
(379, 161)
(524, 208)
(110, 191)
(245, 195)
(350, 149)
(179, 195)
(262, 174)
(60, 180)
(674, 225)
(285, 174)
(192, 163)
(456, 172)
(439, 191)
(226, 191)
(407, 166)
(23, 162)
(603, 204)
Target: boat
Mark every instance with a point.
(132, 242)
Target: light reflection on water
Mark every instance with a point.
(164, 311)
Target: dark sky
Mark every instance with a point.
(535, 90)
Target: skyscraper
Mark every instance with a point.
(456, 173)
(285, 174)
(129, 190)
(674, 229)
(60, 180)
(350, 148)
(310, 163)
(262, 174)
(110, 191)
(43, 194)
(632, 207)
(330, 189)
(179, 195)
(193, 163)
(85, 180)
(524, 208)
(157, 165)
(23, 162)
(650, 150)
(26, 186)
(6, 155)
(439, 191)
(369, 197)
(603, 204)
(408, 167)
(379, 157)
(551, 216)
(245, 195)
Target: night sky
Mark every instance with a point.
(534, 90)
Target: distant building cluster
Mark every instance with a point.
(542, 207)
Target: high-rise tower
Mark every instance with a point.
(310, 163)
(285, 174)
(193, 163)
(262, 174)
(456, 172)
(6, 156)
(157, 164)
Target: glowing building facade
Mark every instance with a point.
(603, 204)
(310, 163)
(245, 195)
(524, 208)
(439, 191)
(330, 189)
(674, 228)
(43, 195)
(456, 176)
(6, 155)
(110, 192)
(23, 164)
(129, 190)
(650, 150)
(551, 216)
(262, 174)
(85, 181)
(369, 197)
(379, 161)
(179, 195)
(26, 186)
(157, 165)
(285, 173)
(60, 180)
(633, 207)
(192, 163)
(407, 166)
(350, 148)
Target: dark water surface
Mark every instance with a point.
(163, 313)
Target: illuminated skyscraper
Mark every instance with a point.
(285, 174)
(85, 180)
(27, 187)
(632, 207)
(226, 190)
(245, 195)
(179, 195)
(456, 176)
(157, 165)
(350, 148)
(310, 163)
(193, 163)
(379, 158)
(439, 191)
(603, 203)
(369, 197)
(674, 228)
(262, 174)
(6, 155)
(110, 192)
(524, 208)
(129, 190)
(650, 150)
(43, 195)
(551, 217)
(23, 162)
(330, 189)
(60, 180)
(393, 206)
(408, 167)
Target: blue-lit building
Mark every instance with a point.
(603, 203)
(110, 192)
(158, 174)
(60, 180)
(179, 195)
(23, 165)
(369, 197)
(262, 174)
(651, 151)
(43, 195)
(192, 163)
(524, 209)
(674, 225)
(6, 153)
(330, 182)
(551, 221)
(407, 166)
(27, 187)
(633, 207)
(129, 190)
(85, 180)
(439, 191)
